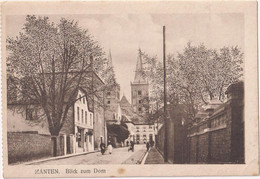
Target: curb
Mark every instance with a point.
(143, 158)
(58, 158)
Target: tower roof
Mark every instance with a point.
(110, 59)
(139, 77)
(124, 102)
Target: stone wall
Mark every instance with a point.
(28, 146)
(219, 137)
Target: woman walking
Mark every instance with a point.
(109, 147)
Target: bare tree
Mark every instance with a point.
(47, 63)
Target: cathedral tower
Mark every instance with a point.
(140, 89)
(112, 99)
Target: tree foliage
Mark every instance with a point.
(195, 76)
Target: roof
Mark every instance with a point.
(124, 102)
(139, 77)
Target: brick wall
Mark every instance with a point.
(203, 148)
(220, 146)
(27, 146)
(221, 140)
(193, 149)
(218, 137)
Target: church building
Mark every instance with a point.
(140, 90)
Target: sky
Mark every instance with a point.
(124, 34)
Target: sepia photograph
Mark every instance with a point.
(138, 87)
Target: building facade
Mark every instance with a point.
(144, 133)
(83, 124)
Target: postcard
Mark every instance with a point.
(129, 88)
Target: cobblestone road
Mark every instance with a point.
(119, 156)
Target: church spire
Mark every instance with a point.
(139, 78)
(110, 59)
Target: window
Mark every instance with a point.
(86, 117)
(108, 93)
(83, 100)
(139, 92)
(151, 137)
(82, 116)
(137, 127)
(90, 120)
(140, 101)
(150, 127)
(31, 114)
(137, 136)
(108, 102)
(144, 135)
(78, 113)
(139, 109)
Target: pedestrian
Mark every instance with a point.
(102, 148)
(109, 147)
(132, 145)
(147, 146)
(127, 143)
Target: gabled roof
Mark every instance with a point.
(124, 102)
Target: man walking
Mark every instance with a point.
(102, 148)
(131, 146)
(147, 146)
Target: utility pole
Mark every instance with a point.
(165, 101)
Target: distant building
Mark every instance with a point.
(144, 133)
(140, 90)
(135, 115)
(112, 101)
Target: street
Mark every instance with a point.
(119, 156)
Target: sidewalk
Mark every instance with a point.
(54, 158)
(154, 157)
